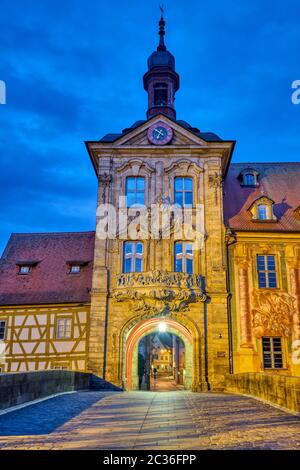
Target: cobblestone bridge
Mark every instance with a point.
(149, 420)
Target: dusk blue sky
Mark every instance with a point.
(73, 71)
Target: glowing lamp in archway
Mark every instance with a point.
(162, 327)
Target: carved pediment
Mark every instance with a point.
(142, 140)
(139, 137)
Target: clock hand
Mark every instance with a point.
(159, 133)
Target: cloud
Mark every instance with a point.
(74, 72)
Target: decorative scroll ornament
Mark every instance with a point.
(272, 313)
(168, 292)
(215, 181)
(105, 181)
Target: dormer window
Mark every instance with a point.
(249, 178)
(75, 266)
(262, 210)
(75, 269)
(160, 94)
(24, 269)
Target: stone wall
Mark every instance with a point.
(19, 388)
(278, 389)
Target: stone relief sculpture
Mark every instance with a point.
(173, 292)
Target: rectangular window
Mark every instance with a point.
(266, 271)
(272, 353)
(2, 329)
(75, 269)
(64, 328)
(135, 190)
(183, 191)
(133, 257)
(262, 212)
(183, 257)
(24, 269)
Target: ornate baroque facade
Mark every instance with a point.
(84, 302)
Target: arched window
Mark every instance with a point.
(160, 94)
(249, 178)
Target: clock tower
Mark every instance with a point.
(161, 80)
(156, 176)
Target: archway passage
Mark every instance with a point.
(161, 362)
(175, 343)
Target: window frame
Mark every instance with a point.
(133, 256)
(160, 88)
(5, 329)
(22, 266)
(266, 271)
(75, 266)
(183, 191)
(136, 190)
(272, 354)
(64, 338)
(184, 256)
(265, 207)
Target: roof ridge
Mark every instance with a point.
(17, 234)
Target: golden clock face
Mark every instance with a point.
(160, 133)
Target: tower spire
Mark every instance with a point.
(161, 81)
(161, 31)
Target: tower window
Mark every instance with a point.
(2, 329)
(133, 257)
(266, 270)
(183, 191)
(160, 94)
(272, 353)
(183, 257)
(135, 190)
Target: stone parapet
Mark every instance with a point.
(281, 390)
(19, 388)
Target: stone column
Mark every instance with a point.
(245, 318)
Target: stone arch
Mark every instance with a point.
(137, 330)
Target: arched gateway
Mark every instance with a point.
(146, 327)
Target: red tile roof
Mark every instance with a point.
(278, 181)
(49, 280)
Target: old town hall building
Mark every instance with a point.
(84, 302)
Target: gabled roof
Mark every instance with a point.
(207, 136)
(49, 280)
(277, 181)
